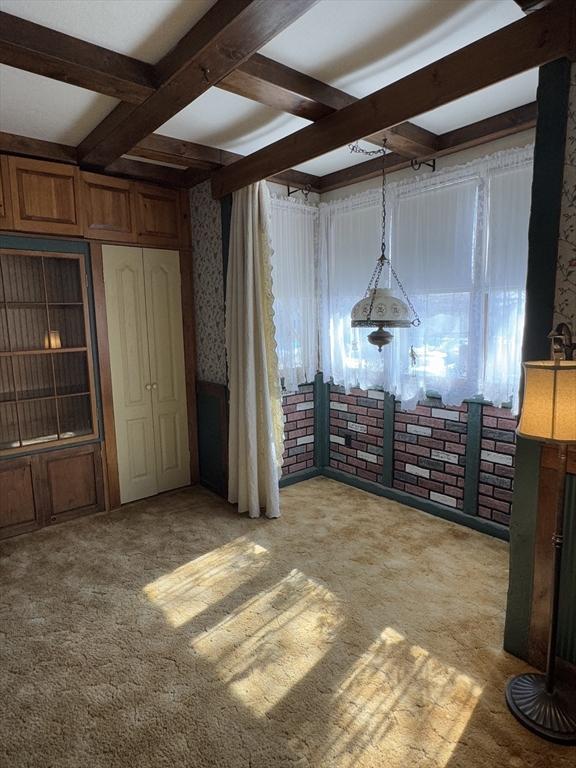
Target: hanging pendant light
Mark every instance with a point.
(379, 308)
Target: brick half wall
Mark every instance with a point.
(298, 430)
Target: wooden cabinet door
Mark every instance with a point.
(18, 510)
(45, 196)
(158, 215)
(108, 208)
(5, 197)
(130, 370)
(167, 369)
(69, 483)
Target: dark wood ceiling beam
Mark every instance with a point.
(229, 33)
(492, 128)
(46, 52)
(13, 144)
(541, 37)
(170, 150)
(285, 89)
(529, 6)
(200, 161)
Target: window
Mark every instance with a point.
(459, 241)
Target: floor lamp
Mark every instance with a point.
(548, 415)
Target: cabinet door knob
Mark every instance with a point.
(148, 387)
(155, 386)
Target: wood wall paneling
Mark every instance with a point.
(108, 208)
(18, 512)
(45, 197)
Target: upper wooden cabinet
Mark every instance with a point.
(58, 199)
(45, 196)
(5, 197)
(108, 208)
(158, 215)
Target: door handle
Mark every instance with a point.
(148, 387)
(155, 386)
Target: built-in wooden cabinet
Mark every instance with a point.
(58, 199)
(45, 196)
(19, 512)
(158, 216)
(49, 487)
(108, 208)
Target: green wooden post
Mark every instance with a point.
(473, 447)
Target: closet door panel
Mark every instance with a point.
(130, 369)
(166, 345)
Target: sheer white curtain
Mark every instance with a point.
(349, 244)
(255, 419)
(505, 280)
(294, 235)
(459, 241)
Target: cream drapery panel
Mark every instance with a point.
(255, 439)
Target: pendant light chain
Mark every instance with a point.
(377, 273)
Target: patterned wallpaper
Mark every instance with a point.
(565, 301)
(208, 285)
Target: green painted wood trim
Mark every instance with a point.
(299, 477)
(388, 440)
(321, 421)
(473, 447)
(552, 98)
(549, 147)
(522, 542)
(453, 515)
(29, 243)
(567, 618)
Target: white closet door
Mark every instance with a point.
(168, 376)
(130, 369)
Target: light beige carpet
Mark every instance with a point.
(351, 633)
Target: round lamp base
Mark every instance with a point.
(549, 715)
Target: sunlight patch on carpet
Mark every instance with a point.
(267, 645)
(398, 693)
(190, 589)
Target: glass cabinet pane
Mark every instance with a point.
(38, 423)
(66, 327)
(75, 416)
(23, 278)
(34, 377)
(6, 380)
(71, 371)
(63, 280)
(27, 328)
(8, 427)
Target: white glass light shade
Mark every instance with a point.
(549, 405)
(387, 311)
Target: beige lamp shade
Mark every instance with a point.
(549, 405)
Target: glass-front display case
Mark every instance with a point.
(46, 369)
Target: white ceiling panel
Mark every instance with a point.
(363, 45)
(231, 122)
(41, 108)
(144, 29)
(514, 92)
